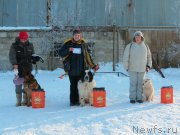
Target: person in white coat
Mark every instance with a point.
(137, 61)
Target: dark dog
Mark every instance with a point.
(30, 83)
(85, 87)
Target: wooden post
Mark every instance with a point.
(48, 21)
(117, 56)
(114, 34)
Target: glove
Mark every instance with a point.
(36, 58)
(147, 68)
(16, 71)
(33, 62)
(96, 68)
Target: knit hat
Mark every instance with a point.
(23, 35)
(76, 31)
(138, 33)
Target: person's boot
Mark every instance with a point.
(18, 99)
(140, 101)
(24, 102)
(132, 101)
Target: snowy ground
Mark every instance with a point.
(118, 118)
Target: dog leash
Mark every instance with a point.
(61, 76)
(113, 72)
(36, 70)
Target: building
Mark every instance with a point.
(108, 24)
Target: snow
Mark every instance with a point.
(119, 117)
(25, 28)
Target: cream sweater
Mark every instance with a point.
(137, 57)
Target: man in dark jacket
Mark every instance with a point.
(20, 57)
(77, 54)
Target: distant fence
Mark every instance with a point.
(89, 13)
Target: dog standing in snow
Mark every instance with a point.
(148, 90)
(85, 88)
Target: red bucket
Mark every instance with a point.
(99, 97)
(167, 95)
(38, 99)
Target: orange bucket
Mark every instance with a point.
(38, 99)
(167, 95)
(99, 97)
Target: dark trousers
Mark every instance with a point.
(74, 95)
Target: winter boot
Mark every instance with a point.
(24, 102)
(18, 99)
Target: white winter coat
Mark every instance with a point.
(137, 57)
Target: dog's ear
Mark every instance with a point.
(90, 76)
(148, 80)
(144, 81)
(82, 76)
